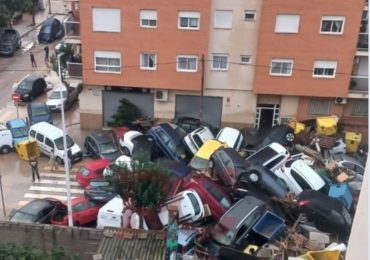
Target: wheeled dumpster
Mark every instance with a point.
(27, 149)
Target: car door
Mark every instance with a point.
(78, 212)
(49, 146)
(92, 210)
(40, 140)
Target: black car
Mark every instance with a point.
(227, 165)
(50, 30)
(256, 139)
(10, 41)
(189, 124)
(31, 87)
(327, 213)
(37, 211)
(38, 112)
(234, 228)
(259, 178)
(101, 146)
(100, 190)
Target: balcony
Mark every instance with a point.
(74, 69)
(72, 30)
(363, 42)
(359, 84)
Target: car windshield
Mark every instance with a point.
(217, 195)
(107, 148)
(20, 132)
(199, 163)
(25, 85)
(56, 95)
(39, 111)
(20, 216)
(223, 235)
(59, 142)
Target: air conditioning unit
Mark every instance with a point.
(161, 95)
(340, 101)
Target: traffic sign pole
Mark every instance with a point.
(16, 97)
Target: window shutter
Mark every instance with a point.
(223, 19)
(102, 24)
(287, 23)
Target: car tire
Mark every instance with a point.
(5, 149)
(59, 160)
(289, 137)
(126, 151)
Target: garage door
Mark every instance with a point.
(144, 101)
(189, 106)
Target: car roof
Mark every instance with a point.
(96, 164)
(14, 123)
(31, 78)
(310, 176)
(49, 21)
(232, 218)
(43, 127)
(208, 148)
(34, 105)
(101, 137)
(169, 130)
(35, 206)
(232, 154)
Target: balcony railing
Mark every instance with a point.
(74, 69)
(363, 42)
(359, 84)
(72, 29)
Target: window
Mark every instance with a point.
(245, 59)
(148, 18)
(39, 137)
(359, 108)
(49, 143)
(189, 20)
(187, 63)
(102, 24)
(107, 61)
(287, 23)
(219, 62)
(79, 207)
(148, 61)
(249, 15)
(319, 107)
(281, 67)
(33, 133)
(332, 24)
(300, 181)
(324, 69)
(223, 19)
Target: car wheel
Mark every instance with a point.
(125, 151)
(59, 160)
(5, 149)
(254, 177)
(289, 137)
(76, 224)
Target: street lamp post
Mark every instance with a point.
(65, 159)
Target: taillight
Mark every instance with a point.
(303, 203)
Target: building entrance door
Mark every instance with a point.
(267, 116)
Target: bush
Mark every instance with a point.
(126, 113)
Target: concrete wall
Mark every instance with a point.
(81, 241)
(91, 107)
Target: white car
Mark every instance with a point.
(195, 139)
(189, 205)
(272, 156)
(298, 176)
(122, 160)
(231, 136)
(126, 142)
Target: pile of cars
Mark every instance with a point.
(245, 194)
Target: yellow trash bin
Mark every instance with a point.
(27, 149)
(353, 141)
(326, 125)
(297, 126)
(321, 255)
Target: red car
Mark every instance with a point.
(84, 211)
(91, 170)
(210, 193)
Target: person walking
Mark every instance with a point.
(33, 62)
(52, 161)
(35, 169)
(46, 49)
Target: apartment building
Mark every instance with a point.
(311, 62)
(249, 63)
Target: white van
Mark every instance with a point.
(6, 139)
(50, 137)
(112, 214)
